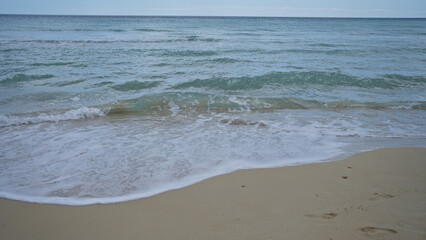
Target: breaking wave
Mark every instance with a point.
(172, 102)
(74, 114)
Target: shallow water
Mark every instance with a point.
(107, 109)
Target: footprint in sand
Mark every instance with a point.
(324, 216)
(329, 215)
(379, 196)
(377, 230)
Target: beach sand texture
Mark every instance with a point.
(379, 194)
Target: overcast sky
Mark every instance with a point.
(280, 8)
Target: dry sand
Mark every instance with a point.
(373, 195)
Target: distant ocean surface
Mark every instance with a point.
(109, 109)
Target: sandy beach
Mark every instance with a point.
(373, 195)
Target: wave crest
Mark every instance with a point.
(136, 85)
(74, 114)
(173, 102)
(17, 78)
(328, 79)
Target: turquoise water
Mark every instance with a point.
(107, 109)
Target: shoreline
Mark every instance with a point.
(380, 194)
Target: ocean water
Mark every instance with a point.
(109, 109)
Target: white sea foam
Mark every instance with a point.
(74, 114)
(79, 163)
(173, 107)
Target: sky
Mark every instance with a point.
(276, 8)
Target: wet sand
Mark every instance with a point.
(373, 195)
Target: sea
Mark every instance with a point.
(105, 109)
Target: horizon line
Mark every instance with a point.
(198, 16)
